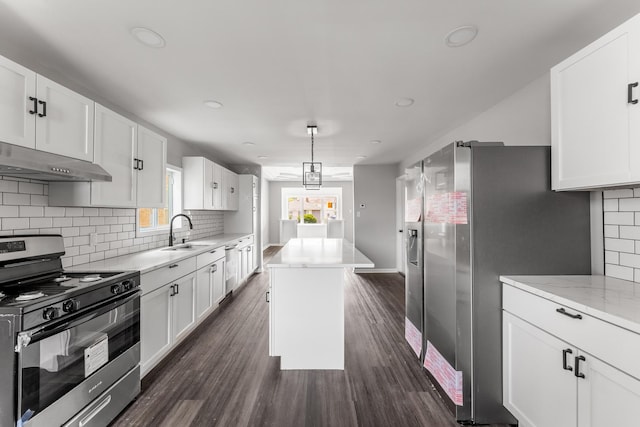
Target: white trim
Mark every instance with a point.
(375, 270)
(287, 192)
(165, 229)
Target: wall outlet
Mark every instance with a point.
(358, 214)
(362, 206)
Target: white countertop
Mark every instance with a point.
(613, 300)
(319, 252)
(153, 259)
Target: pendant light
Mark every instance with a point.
(312, 171)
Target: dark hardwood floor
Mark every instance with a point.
(222, 375)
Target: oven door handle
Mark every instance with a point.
(34, 335)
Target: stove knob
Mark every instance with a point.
(127, 285)
(116, 289)
(69, 306)
(50, 313)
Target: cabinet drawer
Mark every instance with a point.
(157, 278)
(245, 241)
(209, 257)
(594, 336)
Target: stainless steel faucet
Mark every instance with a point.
(171, 227)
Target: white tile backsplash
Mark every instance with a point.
(621, 209)
(24, 210)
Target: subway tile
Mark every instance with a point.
(53, 230)
(124, 251)
(40, 222)
(101, 247)
(637, 214)
(110, 220)
(611, 231)
(620, 272)
(96, 220)
(619, 218)
(123, 235)
(103, 229)
(80, 240)
(116, 228)
(128, 227)
(610, 205)
(636, 275)
(636, 192)
(611, 257)
(15, 223)
(111, 237)
(616, 194)
(53, 211)
(8, 186)
(619, 245)
(91, 211)
(30, 188)
(62, 222)
(630, 260)
(39, 200)
(124, 220)
(68, 241)
(629, 205)
(67, 262)
(127, 243)
(116, 244)
(100, 238)
(80, 259)
(73, 212)
(110, 253)
(70, 231)
(97, 256)
(9, 211)
(16, 199)
(87, 249)
(87, 230)
(105, 212)
(81, 221)
(630, 232)
(72, 250)
(26, 211)
(26, 231)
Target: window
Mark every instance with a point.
(312, 206)
(157, 219)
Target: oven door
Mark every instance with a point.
(65, 365)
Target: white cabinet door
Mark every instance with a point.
(218, 186)
(155, 326)
(208, 184)
(234, 191)
(65, 121)
(152, 153)
(595, 127)
(251, 259)
(17, 108)
(184, 313)
(114, 150)
(204, 288)
(606, 396)
(218, 290)
(537, 389)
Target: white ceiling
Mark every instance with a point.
(294, 173)
(277, 65)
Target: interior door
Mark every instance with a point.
(17, 108)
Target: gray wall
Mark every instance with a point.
(375, 224)
(275, 206)
(264, 206)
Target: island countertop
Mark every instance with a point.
(319, 253)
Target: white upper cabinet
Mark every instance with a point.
(115, 150)
(208, 185)
(17, 104)
(152, 164)
(64, 123)
(595, 114)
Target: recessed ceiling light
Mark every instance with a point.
(404, 102)
(213, 104)
(248, 143)
(263, 157)
(361, 157)
(461, 36)
(376, 141)
(148, 37)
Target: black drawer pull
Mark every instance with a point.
(573, 316)
(34, 109)
(266, 296)
(564, 359)
(173, 265)
(44, 108)
(630, 87)
(577, 372)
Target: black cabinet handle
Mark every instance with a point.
(573, 316)
(173, 290)
(177, 289)
(564, 359)
(34, 108)
(141, 164)
(630, 87)
(577, 363)
(44, 108)
(173, 265)
(214, 268)
(135, 167)
(266, 296)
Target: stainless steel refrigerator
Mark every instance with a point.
(487, 211)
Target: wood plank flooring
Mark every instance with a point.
(223, 376)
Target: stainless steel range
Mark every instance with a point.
(69, 342)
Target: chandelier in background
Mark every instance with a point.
(312, 171)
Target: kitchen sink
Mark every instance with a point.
(185, 247)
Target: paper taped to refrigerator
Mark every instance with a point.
(447, 208)
(413, 336)
(413, 210)
(449, 379)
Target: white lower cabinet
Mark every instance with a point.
(167, 314)
(210, 285)
(550, 381)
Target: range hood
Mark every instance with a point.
(28, 163)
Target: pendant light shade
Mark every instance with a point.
(312, 171)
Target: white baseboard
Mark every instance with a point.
(375, 270)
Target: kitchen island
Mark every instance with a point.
(306, 302)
